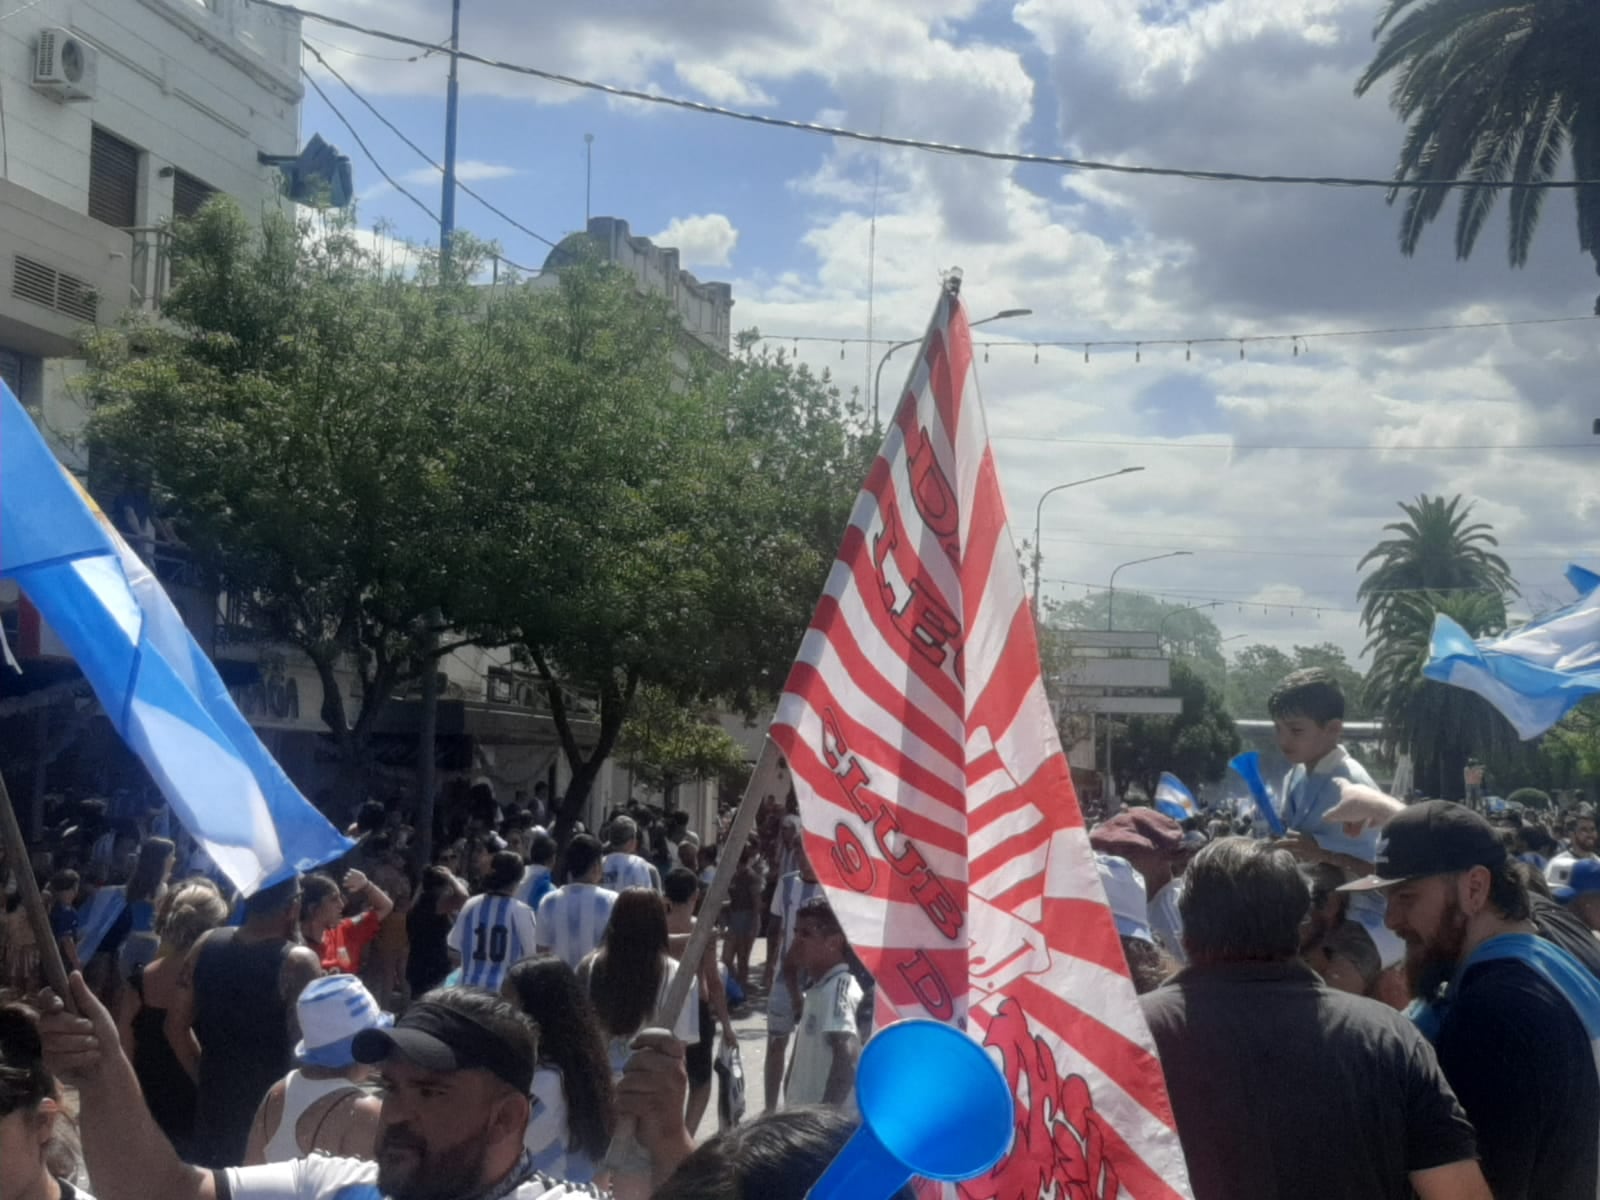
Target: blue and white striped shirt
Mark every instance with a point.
(573, 919)
(492, 934)
(622, 871)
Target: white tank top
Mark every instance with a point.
(299, 1094)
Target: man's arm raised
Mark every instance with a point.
(128, 1156)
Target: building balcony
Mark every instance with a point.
(59, 272)
(150, 277)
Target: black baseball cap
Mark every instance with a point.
(1436, 837)
(439, 1038)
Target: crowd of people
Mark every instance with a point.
(1391, 1000)
(242, 1025)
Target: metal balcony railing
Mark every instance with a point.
(151, 261)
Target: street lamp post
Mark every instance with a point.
(877, 378)
(1111, 589)
(1038, 516)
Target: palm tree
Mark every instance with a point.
(1493, 90)
(1435, 549)
(1439, 726)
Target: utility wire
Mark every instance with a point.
(423, 154)
(1216, 339)
(1049, 160)
(409, 58)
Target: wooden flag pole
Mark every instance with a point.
(626, 1156)
(55, 971)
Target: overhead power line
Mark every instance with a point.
(834, 131)
(1137, 344)
(423, 154)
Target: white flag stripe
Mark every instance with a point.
(176, 742)
(1030, 741)
(982, 840)
(973, 437)
(1002, 597)
(1014, 871)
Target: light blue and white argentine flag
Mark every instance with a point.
(1532, 675)
(1174, 799)
(156, 685)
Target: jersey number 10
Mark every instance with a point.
(498, 937)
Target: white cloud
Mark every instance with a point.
(1252, 85)
(469, 170)
(701, 241)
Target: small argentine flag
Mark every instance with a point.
(1174, 799)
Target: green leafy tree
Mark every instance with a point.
(1439, 726)
(1253, 673)
(666, 742)
(1493, 90)
(1257, 669)
(293, 412)
(673, 522)
(1195, 745)
(1436, 548)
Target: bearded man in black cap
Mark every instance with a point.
(456, 1069)
(1513, 1017)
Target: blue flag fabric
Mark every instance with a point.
(1247, 766)
(157, 686)
(1174, 799)
(1533, 675)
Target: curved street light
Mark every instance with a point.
(1111, 588)
(1038, 516)
(1161, 629)
(1005, 314)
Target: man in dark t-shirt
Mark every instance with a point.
(235, 1004)
(1280, 1086)
(1501, 1004)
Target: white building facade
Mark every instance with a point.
(118, 116)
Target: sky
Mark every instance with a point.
(1276, 470)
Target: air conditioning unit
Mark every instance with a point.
(64, 66)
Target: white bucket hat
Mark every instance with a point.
(332, 1011)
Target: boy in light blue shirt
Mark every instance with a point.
(1307, 711)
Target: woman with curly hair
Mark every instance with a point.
(627, 977)
(573, 1114)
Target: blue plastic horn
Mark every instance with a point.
(932, 1104)
(1247, 766)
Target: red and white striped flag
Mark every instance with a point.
(940, 814)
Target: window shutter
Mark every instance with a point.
(113, 180)
(188, 195)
